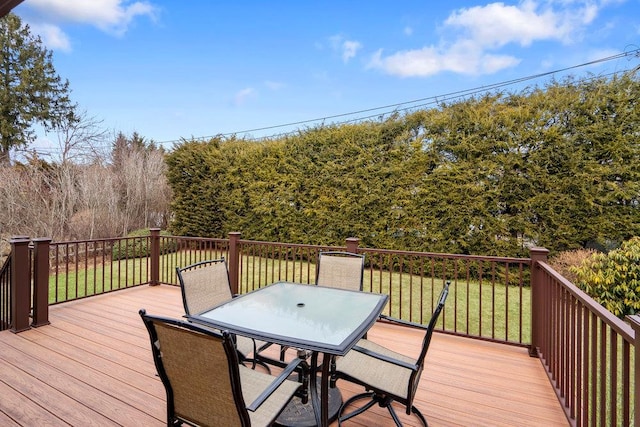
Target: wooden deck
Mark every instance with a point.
(93, 367)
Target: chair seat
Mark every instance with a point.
(255, 382)
(379, 374)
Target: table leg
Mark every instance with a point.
(313, 388)
(321, 404)
(324, 389)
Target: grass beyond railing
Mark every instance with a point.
(481, 304)
(89, 267)
(85, 268)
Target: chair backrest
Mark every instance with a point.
(204, 285)
(432, 323)
(426, 341)
(342, 270)
(199, 369)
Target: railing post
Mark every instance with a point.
(635, 324)
(154, 278)
(20, 284)
(538, 291)
(234, 261)
(352, 244)
(41, 282)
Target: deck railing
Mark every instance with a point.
(592, 357)
(413, 280)
(5, 294)
(588, 353)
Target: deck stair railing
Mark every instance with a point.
(592, 358)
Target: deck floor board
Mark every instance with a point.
(93, 367)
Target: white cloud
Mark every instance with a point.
(476, 35)
(429, 61)
(111, 16)
(496, 24)
(346, 48)
(349, 49)
(243, 95)
(53, 37)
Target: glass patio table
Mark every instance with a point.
(308, 317)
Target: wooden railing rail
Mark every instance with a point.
(587, 353)
(635, 324)
(5, 294)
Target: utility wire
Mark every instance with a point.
(397, 107)
(432, 100)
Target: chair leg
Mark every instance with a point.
(255, 362)
(421, 417)
(368, 395)
(283, 351)
(383, 402)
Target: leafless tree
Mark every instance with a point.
(81, 138)
(85, 195)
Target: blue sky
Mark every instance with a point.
(198, 68)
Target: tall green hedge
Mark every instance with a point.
(557, 166)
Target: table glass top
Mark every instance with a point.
(308, 316)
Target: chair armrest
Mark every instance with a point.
(274, 385)
(404, 322)
(385, 358)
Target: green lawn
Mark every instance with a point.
(490, 311)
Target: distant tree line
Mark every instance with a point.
(555, 166)
(106, 195)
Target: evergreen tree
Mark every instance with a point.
(30, 90)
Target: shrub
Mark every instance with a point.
(138, 246)
(565, 262)
(613, 279)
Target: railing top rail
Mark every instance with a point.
(104, 239)
(200, 239)
(620, 326)
(393, 252)
(288, 245)
(448, 256)
(115, 239)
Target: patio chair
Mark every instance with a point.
(342, 270)
(204, 382)
(386, 375)
(205, 285)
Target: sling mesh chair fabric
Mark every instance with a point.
(205, 285)
(342, 270)
(204, 381)
(388, 376)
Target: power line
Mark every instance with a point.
(432, 100)
(389, 108)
